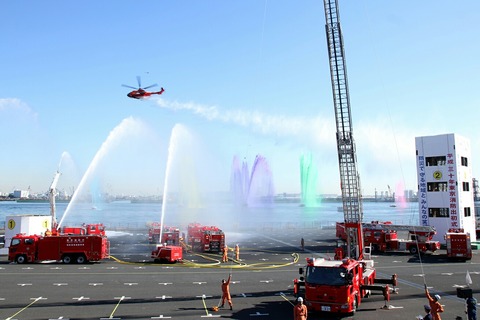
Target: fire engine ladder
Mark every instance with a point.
(397, 227)
(349, 178)
(52, 194)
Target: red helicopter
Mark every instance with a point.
(140, 93)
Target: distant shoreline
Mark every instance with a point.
(278, 199)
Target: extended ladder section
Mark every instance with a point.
(349, 179)
(52, 193)
(399, 227)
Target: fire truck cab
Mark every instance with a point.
(205, 238)
(459, 245)
(170, 235)
(338, 286)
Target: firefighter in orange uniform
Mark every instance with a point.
(226, 292)
(434, 303)
(225, 254)
(237, 252)
(300, 310)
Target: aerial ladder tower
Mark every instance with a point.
(52, 193)
(347, 159)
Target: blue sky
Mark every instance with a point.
(242, 77)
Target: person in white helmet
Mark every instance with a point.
(300, 310)
(434, 303)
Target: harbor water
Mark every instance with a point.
(126, 215)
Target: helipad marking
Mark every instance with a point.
(81, 298)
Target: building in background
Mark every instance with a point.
(445, 184)
(21, 194)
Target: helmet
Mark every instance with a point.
(300, 299)
(437, 297)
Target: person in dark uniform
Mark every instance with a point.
(471, 311)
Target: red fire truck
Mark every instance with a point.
(170, 235)
(65, 248)
(169, 254)
(340, 285)
(383, 237)
(459, 245)
(205, 238)
(85, 229)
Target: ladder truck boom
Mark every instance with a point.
(347, 159)
(340, 285)
(52, 193)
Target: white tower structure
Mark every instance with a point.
(445, 184)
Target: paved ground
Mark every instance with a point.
(135, 288)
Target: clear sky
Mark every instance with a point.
(242, 77)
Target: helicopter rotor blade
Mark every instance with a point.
(139, 81)
(124, 85)
(150, 86)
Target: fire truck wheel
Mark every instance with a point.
(81, 259)
(21, 259)
(413, 250)
(67, 259)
